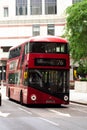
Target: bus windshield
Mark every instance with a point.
(51, 81)
(48, 47)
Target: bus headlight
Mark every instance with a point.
(33, 97)
(66, 98)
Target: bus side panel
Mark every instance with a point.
(14, 92)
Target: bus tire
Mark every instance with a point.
(21, 97)
(9, 93)
(0, 99)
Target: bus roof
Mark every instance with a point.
(47, 39)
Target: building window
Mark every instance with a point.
(35, 7)
(50, 7)
(50, 29)
(21, 7)
(5, 11)
(36, 30)
(75, 1)
(5, 48)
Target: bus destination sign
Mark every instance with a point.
(50, 62)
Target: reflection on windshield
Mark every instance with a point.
(52, 81)
(35, 79)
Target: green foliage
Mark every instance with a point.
(76, 30)
(83, 79)
(82, 69)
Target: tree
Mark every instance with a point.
(76, 32)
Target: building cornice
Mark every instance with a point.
(33, 20)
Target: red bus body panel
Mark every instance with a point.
(28, 92)
(42, 98)
(31, 62)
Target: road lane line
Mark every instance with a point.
(4, 114)
(25, 110)
(51, 122)
(59, 113)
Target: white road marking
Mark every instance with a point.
(4, 114)
(25, 110)
(59, 113)
(51, 122)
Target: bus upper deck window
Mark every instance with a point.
(58, 49)
(62, 48)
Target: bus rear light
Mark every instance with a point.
(66, 98)
(33, 97)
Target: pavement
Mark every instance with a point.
(78, 97)
(75, 97)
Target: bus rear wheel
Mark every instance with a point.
(21, 98)
(0, 99)
(9, 93)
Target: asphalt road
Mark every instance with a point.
(13, 116)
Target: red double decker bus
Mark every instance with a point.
(38, 71)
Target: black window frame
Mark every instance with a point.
(51, 29)
(15, 52)
(50, 7)
(35, 7)
(14, 78)
(76, 1)
(21, 7)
